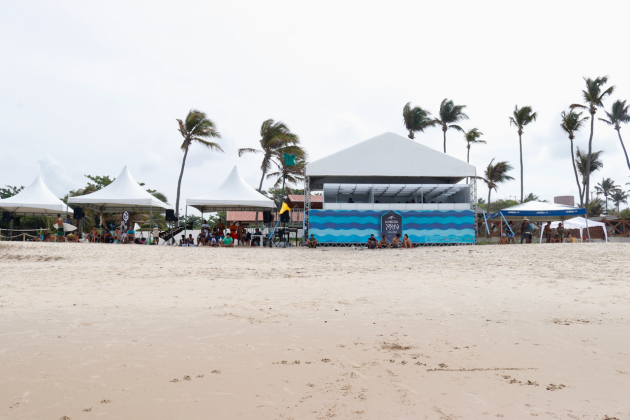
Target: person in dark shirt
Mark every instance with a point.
(371, 242)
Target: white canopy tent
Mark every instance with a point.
(124, 194)
(577, 223)
(233, 194)
(35, 200)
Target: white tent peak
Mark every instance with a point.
(36, 200)
(233, 194)
(122, 194)
(390, 154)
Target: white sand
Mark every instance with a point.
(435, 333)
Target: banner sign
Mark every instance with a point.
(391, 224)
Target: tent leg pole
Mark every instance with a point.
(150, 224)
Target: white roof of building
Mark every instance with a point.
(123, 194)
(233, 194)
(34, 200)
(390, 154)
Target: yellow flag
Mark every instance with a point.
(284, 208)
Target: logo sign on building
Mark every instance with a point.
(391, 224)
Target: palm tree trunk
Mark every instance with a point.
(468, 155)
(624, 148)
(575, 171)
(487, 222)
(588, 173)
(179, 183)
(262, 178)
(520, 145)
(444, 140)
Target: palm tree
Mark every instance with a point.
(520, 118)
(416, 119)
(618, 197)
(195, 129)
(618, 114)
(572, 122)
(449, 115)
(284, 174)
(472, 137)
(606, 188)
(581, 161)
(596, 206)
(593, 98)
(275, 137)
(494, 175)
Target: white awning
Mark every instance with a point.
(124, 194)
(233, 194)
(390, 155)
(34, 200)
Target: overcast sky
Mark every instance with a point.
(88, 87)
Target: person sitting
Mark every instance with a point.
(569, 237)
(116, 235)
(107, 237)
(383, 242)
(228, 242)
(220, 227)
(257, 237)
(47, 237)
(407, 242)
(93, 235)
(312, 241)
(182, 241)
(242, 234)
(214, 240)
(395, 242)
(74, 237)
(201, 238)
(190, 240)
(371, 243)
(131, 235)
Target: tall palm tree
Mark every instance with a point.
(572, 122)
(581, 161)
(449, 115)
(593, 96)
(494, 175)
(618, 197)
(618, 114)
(284, 174)
(275, 137)
(416, 119)
(472, 137)
(196, 128)
(606, 188)
(520, 118)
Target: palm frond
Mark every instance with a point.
(245, 150)
(457, 127)
(210, 145)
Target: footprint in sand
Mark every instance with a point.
(554, 387)
(199, 376)
(325, 360)
(65, 418)
(106, 401)
(87, 409)
(216, 371)
(174, 380)
(187, 378)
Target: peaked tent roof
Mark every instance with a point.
(233, 194)
(537, 211)
(123, 194)
(390, 154)
(34, 200)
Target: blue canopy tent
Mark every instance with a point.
(536, 211)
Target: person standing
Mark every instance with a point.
(547, 232)
(220, 229)
(59, 224)
(526, 231)
(560, 232)
(156, 235)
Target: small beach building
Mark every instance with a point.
(390, 185)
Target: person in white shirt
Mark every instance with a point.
(156, 235)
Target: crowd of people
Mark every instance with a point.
(220, 236)
(525, 228)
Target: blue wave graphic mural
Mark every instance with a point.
(423, 226)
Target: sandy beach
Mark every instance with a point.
(475, 332)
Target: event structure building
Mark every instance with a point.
(390, 184)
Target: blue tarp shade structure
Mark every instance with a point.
(536, 211)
